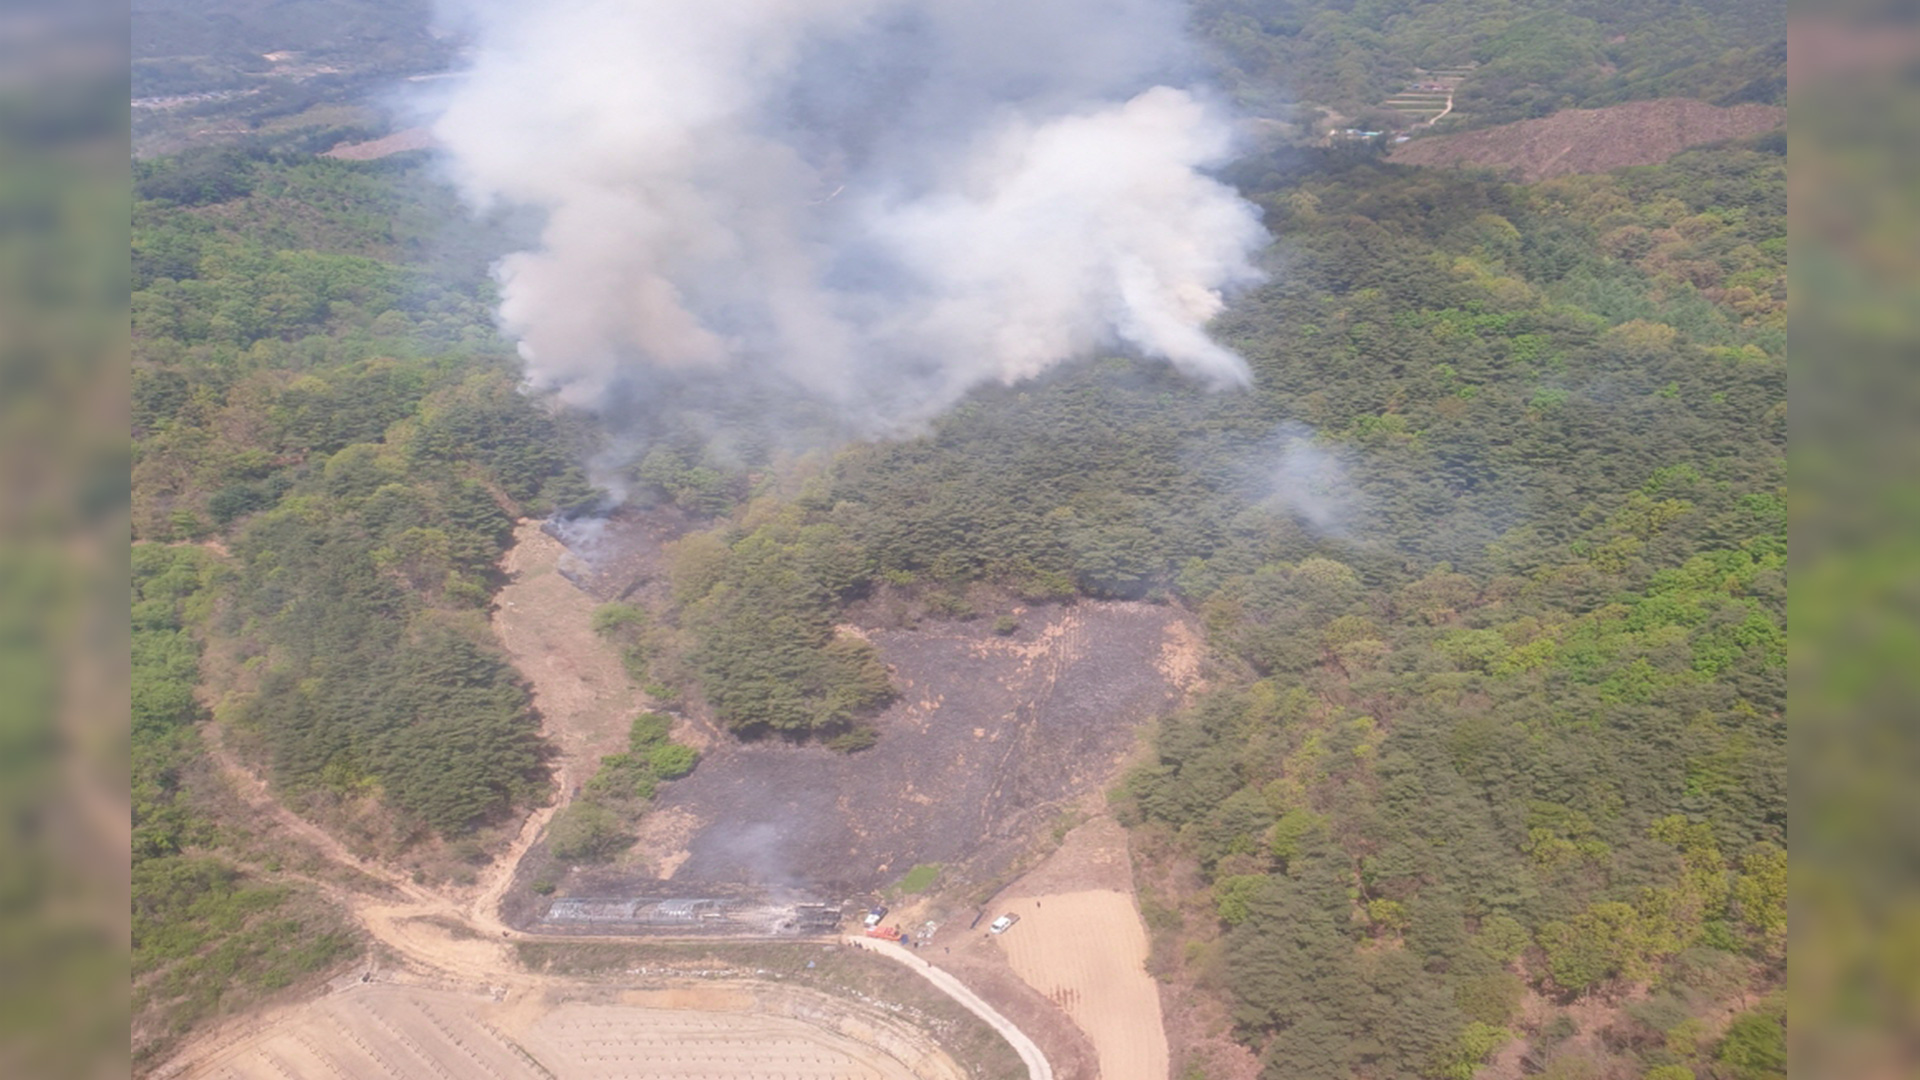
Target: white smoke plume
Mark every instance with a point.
(1308, 480)
(879, 203)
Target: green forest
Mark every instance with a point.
(339, 422)
(211, 933)
(1490, 559)
(330, 451)
(1492, 562)
(1526, 57)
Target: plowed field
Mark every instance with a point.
(1087, 952)
(392, 1033)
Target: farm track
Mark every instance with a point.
(1029, 1051)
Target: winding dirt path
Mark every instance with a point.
(1030, 1053)
(384, 919)
(259, 798)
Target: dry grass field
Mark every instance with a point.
(393, 1032)
(583, 694)
(607, 1041)
(1087, 952)
(1592, 140)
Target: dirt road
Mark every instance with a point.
(254, 792)
(1030, 1055)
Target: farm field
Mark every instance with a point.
(391, 1032)
(1086, 952)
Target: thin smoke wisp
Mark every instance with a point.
(877, 204)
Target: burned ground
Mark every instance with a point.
(989, 736)
(623, 555)
(992, 736)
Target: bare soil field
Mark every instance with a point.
(1080, 942)
(580, 688)
(1087, 952)
(609, 1041)
(1592, 140)
(379, 1032)
(990, 734)
(398, 142)
(853, 991)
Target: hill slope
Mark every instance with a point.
(1594, 140)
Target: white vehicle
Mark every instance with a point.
(874, 916)
(1000, 925)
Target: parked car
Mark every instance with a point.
(874, 916)
(1000, 925)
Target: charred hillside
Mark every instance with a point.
(989, 738)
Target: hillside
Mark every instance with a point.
(1521, 58)
(1592, 140)
(1483, 765)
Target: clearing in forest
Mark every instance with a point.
(1087, 953)
(1593, 140)
(1081, 944)
(581, 690)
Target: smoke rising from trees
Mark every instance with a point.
(875, 203)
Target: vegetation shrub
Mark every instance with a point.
(586, 831)
(672, 761)
(920, 878)
(649, 730)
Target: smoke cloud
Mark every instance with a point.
(1305, 479)
(875, 203)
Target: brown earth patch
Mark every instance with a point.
(580, 689)
(1081, 944)
(1091, 856)
(1592, 140)
(374, 1032)
(398, 142)
(1086, 952)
